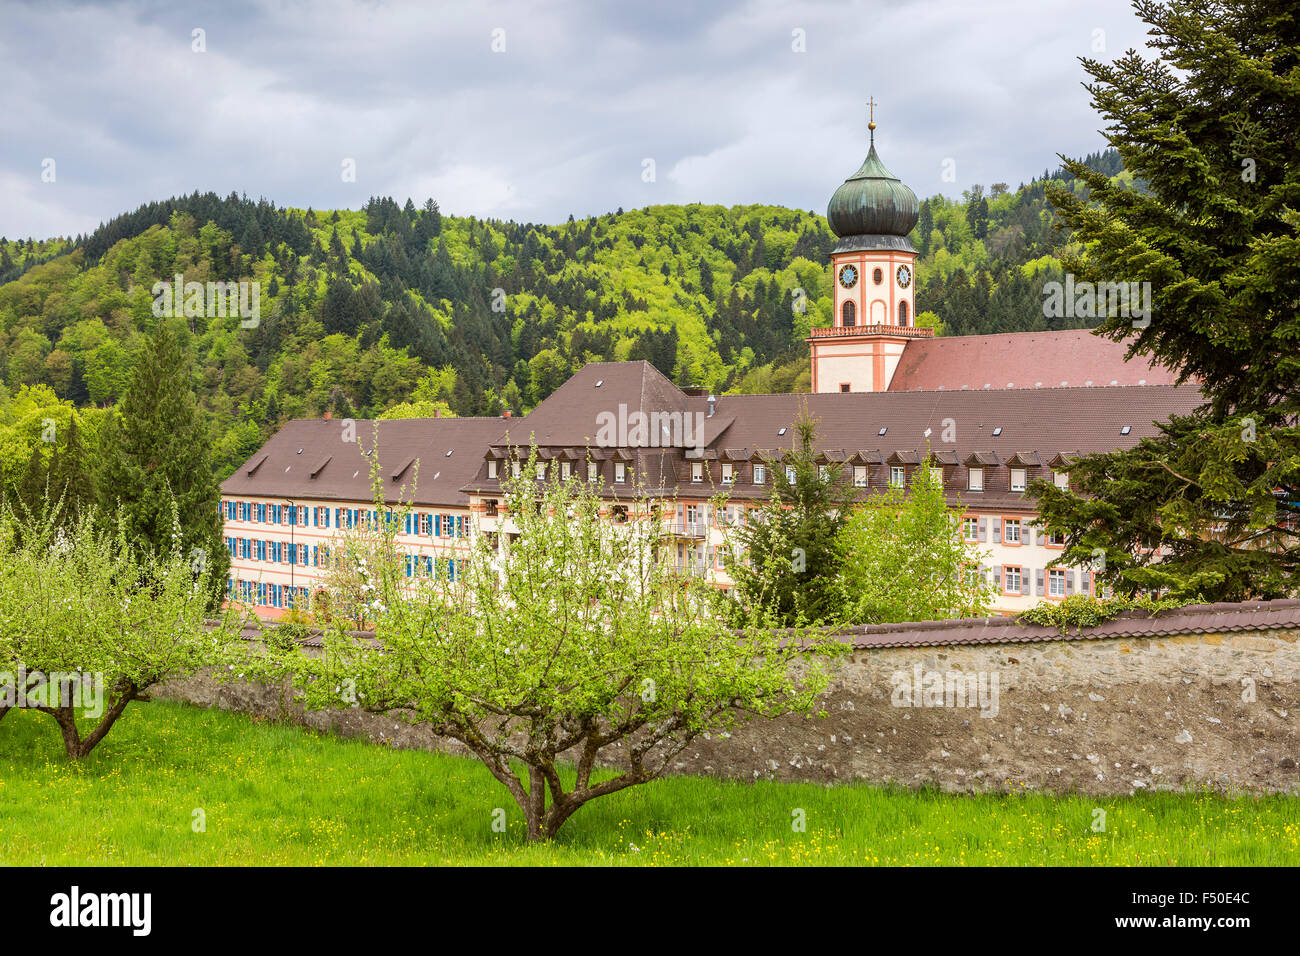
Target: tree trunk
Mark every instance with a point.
(535, 809)
(4, 712)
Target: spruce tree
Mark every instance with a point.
(786, 561)
(1210, 127)
(155, 450)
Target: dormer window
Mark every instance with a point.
(897, 476)
(697, 471)
(728, 473)
(1061, 479)
(859, 476)
(593, 471)
(976, 482)
(760, 474)
(541, 471)
(516, 468)
(492, 468)
(1017, 479)
(566, 470)
(789, 473)
(620, 471)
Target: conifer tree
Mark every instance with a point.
(156, 448)
(785, 560)
(1211, 129)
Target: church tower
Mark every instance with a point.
(874, 277)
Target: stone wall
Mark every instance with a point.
(1104, 716)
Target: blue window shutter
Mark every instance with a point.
(408, 522)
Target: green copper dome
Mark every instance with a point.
(872, 202)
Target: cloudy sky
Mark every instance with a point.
(532, 110)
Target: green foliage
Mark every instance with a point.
(905, 558)
(363, 311)
(573, 641)
(92, 623)
(1211, 128)
(155, 475)
(786, 559)
(290, 796)
(1085, 610)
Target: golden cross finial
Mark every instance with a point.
(871, 103)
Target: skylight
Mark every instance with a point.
(600, 382)
(883, 430)
(1126, 429)
(997, 431)
(780, 431)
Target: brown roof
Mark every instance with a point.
(1047, 421)
(1193, 619)
(1067, 358)
(308, 458)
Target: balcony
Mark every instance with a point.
(689, 529)
(845, 331)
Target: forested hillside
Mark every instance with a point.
(401, 310)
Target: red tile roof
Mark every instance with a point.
(1071, 357)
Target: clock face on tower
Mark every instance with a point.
(848, 276)
(904, 276)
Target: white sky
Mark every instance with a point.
(560, 122)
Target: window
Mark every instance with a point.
(976, 482)
(620, 514)
(492, 468)
(1017, 479)
(1011, 580)
(760, 474)
(1061, 479)
(897, 476)
(728, 474)
(516, 469)
(970, 528)
(789, 473)
(492, 508)
(593, 471)
(877, 276)
(849, 314)
(620, 471)
(1011, 531)
(823, 472)
(902, 312)
(541, 471)
(1056, 583)
(697, 471)
(844, 386)
(859, 476)
(566, 470)
(1056, 539)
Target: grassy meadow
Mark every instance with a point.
(179, 785)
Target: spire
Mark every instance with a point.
(871, 123)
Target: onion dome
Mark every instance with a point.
(873, 202)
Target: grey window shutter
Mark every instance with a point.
(984, 529)
(1069, 581)
(1038, 581)
(1024, 580)
(997, 577)
(997, 529)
